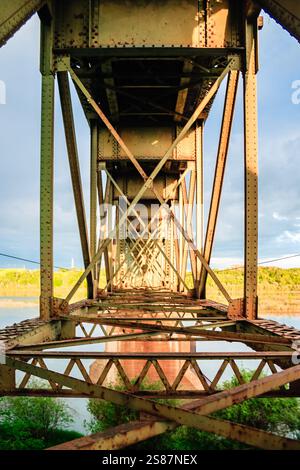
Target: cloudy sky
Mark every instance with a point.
(279, 164)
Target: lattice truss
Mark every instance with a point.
(66, 371)
(146, 92)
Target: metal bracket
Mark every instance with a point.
(62, 63)
(59, 306)
(236, 309)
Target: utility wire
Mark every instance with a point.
(227, 269)
(266, 262)
(279, 259)
(29, 260)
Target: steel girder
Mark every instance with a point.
(156, 319)
(222, 41)
(284, 12)
(14, 14)
(182, 416)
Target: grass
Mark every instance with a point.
(278, 289)
(26, 283)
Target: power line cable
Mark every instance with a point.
(28, 260)
(227, 269)
(265, 262)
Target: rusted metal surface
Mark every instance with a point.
(251, 171)
(227, 119)
(284, 12)
(273, 327)
(14, 14)
(146, 89)
(29, 331)
(119, 437)
(67, 112)
(242, 433)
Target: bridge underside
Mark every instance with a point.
(43, 350)
(146, 88)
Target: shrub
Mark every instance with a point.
(34, 423)
(278, 415)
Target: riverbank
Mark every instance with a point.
(278, 289)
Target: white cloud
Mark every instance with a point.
(279, 217)
(288, 236)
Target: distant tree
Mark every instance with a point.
(277, 415)
(34, 422)
(105, 414)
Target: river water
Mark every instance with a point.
(14, 310)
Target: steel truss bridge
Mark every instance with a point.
(146, 74)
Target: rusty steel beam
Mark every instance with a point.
(164, 388)
(103, 230)
(148, 181)
(70, 134)
(251, 172)
(14, 14)
(88, 340)
(199, 200)
(227, 119)
(147, 53)
(118, 437)
(46, 173)
(149, 355)
(284, 12)
(131, 96)
(125, 315)
(35, 332)
(149, 394)
(93, 199)
(195, 331)
(181, 416)
(148, 226)
(188, 201)
(180, 278)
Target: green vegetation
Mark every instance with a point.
(26, 283)
(105, 414)
(278, 289)
(34, 423)
(277, 415)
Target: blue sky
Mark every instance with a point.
(279, 165)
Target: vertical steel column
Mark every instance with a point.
(189, 204)
(167, 229)
(176, 248)
(117, 257)
(181, 239)
(171, 234)
(103, 201)
(199, 199)
(46, 173)
(110, 226)
(251, 172)
(93, 195)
